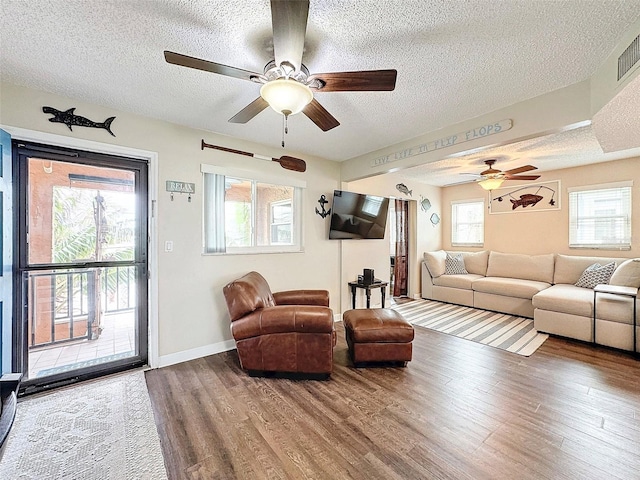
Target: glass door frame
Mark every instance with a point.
(22, 150)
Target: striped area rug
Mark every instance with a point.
(504, 331)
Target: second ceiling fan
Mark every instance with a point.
(287, 85)
(492, 177)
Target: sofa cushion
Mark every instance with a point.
(565, 299)
(454, 265)
(509, 287)
(568, 268)
(456, 281)
(476, 262)
(538, 268)
(627, 274)
(596, 274)
(579, 301)
(435, 262)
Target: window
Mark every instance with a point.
(600, 216)
(467, 223)
(246, 212)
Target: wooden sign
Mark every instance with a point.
(466, 136)
(180, 187)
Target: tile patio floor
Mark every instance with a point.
(118, 336)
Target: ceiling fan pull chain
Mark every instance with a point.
(283, 129)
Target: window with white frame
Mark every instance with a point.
(247, 212)
(467, 223)
(600, 216)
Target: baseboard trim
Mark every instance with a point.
(186, 355)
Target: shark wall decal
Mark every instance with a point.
(71, 119)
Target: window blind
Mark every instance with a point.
(600, 218)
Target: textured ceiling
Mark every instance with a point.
(567, 149)
(455, 59)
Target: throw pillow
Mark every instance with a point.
(596, 274)
(627, 274)
(454, 265)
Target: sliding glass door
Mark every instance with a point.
(82, 264)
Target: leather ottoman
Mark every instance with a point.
(378, 335)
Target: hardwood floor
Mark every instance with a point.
(460, 410)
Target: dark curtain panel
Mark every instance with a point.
(401, 267)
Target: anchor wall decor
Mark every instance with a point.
(323, 201)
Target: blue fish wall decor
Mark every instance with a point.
(402, 188)
(70, 119)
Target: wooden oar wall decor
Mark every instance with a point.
(286, 162)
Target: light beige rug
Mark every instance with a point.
(102, 429)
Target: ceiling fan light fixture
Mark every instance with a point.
(491, 183)
(286, 95)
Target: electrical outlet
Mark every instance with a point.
(168, 246)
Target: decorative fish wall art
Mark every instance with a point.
(536, 197)
(402, 188)
(425, 204)
(70, 119)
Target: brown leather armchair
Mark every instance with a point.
(289, 331)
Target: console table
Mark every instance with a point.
(354, 285)
(615, 290)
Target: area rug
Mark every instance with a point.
(507, 332)
(103, 429)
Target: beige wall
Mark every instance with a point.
(547, 231)
(192, 314)
(359, 254)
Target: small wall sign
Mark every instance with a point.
(461, 137)
(180, 187)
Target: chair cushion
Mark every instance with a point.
(527, 267)
(435, 262)
(627, 274)
(509, 287)
(456, 281)
(579, 301)
(476, 262)
(568, 268)
(247, 294)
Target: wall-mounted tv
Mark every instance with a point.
(358, 216)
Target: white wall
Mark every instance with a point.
(359, 254)
(193, 318)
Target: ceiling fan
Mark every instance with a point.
(492, 177)
(287, 85)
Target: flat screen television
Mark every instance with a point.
(358, 216)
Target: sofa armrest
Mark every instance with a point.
(284, 319)
(302, 297)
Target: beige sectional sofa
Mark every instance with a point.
(539, 287)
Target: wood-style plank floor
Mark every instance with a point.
(460, 410)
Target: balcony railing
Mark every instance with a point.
(64, 302)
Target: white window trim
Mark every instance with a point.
(467, 244)
(250, 175)
(602, 186)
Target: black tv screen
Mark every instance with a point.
(358, 216)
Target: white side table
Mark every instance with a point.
(616, 290)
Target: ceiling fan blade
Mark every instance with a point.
(525, 168)
(320, 116)
(207, 66)
(364, 81)
(250, 111)
(521, 177)
(289, 21)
